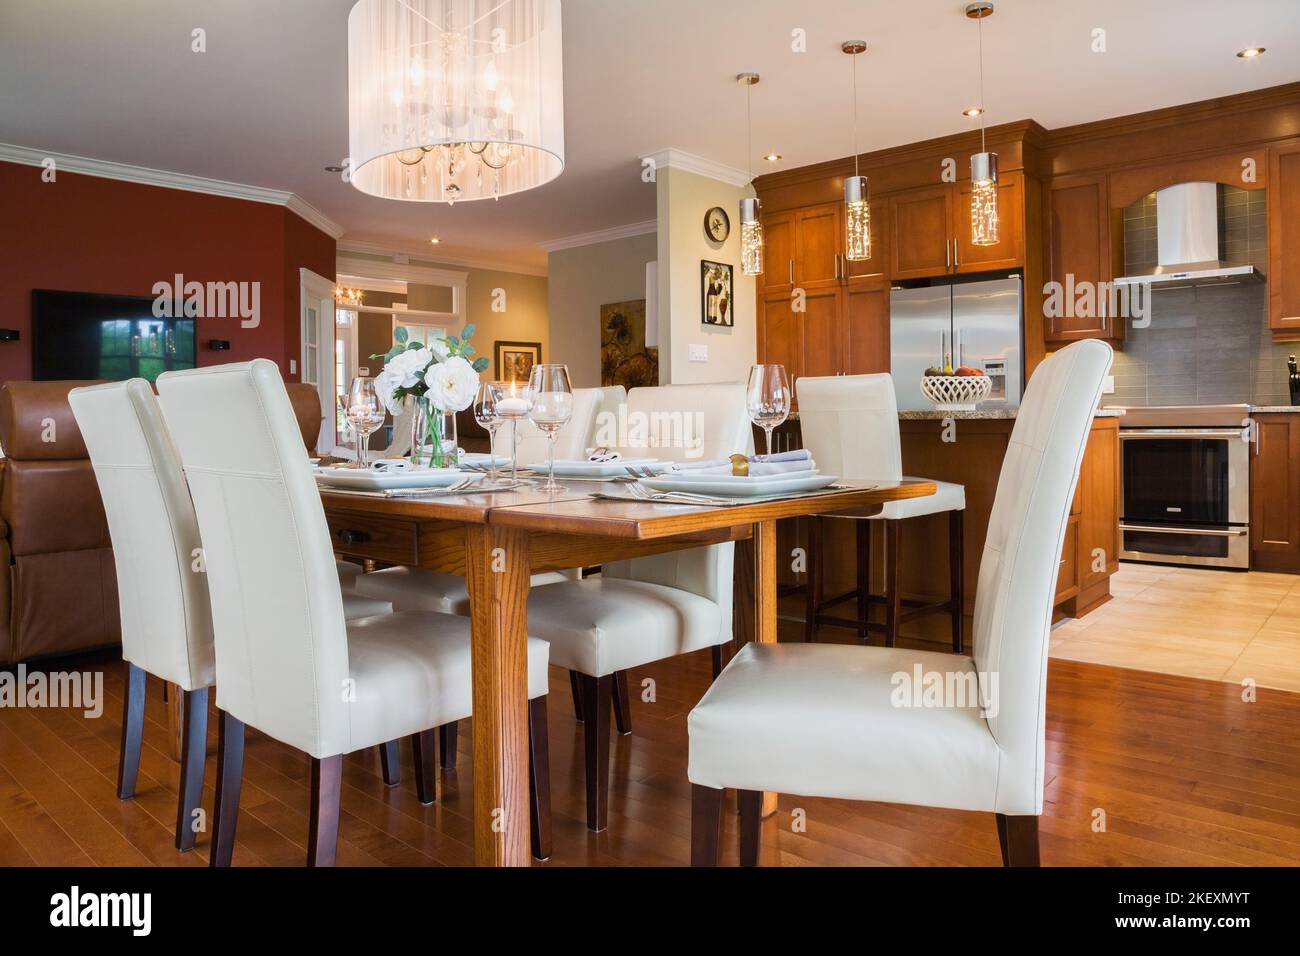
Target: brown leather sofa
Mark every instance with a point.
(58, 591)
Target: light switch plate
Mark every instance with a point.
(293, 366)
(1109, 387)
(697, 353)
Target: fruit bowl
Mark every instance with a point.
(956, 393)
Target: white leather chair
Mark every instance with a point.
(850, 424)
(833, 721)
(651, 608)
(166, 622)
(287, 663)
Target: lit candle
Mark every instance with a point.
(512, 408)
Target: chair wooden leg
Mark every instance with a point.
(596, 695)
(230, 778)
(706, 825)
(575, 687)
(1019, 838)
(539, 779)
(424, 749)
(956, 576)
(323, 823)
(128, 762)
(622, 708)
(390, 763)
(893, 580)
(448, 738)
(716, 652)
(813, 589)
(751, 823)
(864, 578)
(194, 751)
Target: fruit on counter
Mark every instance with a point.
(966, 371)
(934, 370)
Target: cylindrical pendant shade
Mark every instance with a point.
(984, 199)
(452, 100)
(751, 237)
(857, 219)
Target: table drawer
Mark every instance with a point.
(395, 540)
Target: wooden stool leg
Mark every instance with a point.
(390, 763)
(128, 762)
(706, 825)
(230, 778)
(575, 687)
(956, 576)
(751, 823)
(864, 578)
(323, 822)
(893, 581)
(813, 589)
(423, 748)
(622, 709)
(539, 779)
(716, 653)
(1019, 836)
(448, 735)
(194, 751)
(596, 695)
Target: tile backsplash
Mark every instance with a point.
(1205, 345)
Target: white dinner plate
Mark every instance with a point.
(359, 480)
(483, 458)
(592, 469)
(735, 486)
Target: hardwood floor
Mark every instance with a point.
(1184, 772)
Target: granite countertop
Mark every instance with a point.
(986, 414)
(1279, 409)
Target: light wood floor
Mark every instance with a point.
(1219, 625)
(1184, 772)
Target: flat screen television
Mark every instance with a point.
(79, 335)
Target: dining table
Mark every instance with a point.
(498, 539)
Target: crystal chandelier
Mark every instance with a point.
(751, 226)
(349, 297)
(983, 165)
(454, 99)
(857, 208)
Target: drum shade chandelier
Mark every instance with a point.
(452, 100)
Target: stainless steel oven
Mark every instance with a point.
(1186, 485)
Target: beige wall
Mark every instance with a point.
(682, 199)
(581, 281)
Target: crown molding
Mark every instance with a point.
(421, 252)
(370, 283)
(642, 228)
(124, 172)
(673, 158)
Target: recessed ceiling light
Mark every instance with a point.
(333, 169)
(435, 240)
(973, 112)
(1251, 52)
(772, 157)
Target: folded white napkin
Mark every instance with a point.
(789, 462)
(390, 465)
(603, 456)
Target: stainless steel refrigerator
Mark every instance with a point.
(978, 323)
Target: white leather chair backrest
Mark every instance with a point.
(1022, 552)
(166, 614)
(277, 610)
(706, 571)
(574, 438)
(850, 424)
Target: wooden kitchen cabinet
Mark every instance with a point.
(1275, 494)
(1078, 251)
(1096, 502)
(930, 230)
(819, 240)
(1009, 251)
(778, 252)
(866, 325)
(1283, 275)
(779, 338)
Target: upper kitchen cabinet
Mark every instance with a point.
(1078, 251)
(930, 230)
(1009, 251)
(778, 251)
(801, 248)
(1284, 239)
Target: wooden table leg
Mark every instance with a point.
(497, 572)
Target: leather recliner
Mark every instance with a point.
(58, 590)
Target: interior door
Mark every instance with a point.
(918, 233)
(316, 359)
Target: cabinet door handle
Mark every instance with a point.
(956, 259)
(947, 254)
(792, 272)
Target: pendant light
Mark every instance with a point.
(857, 209)
(983, 165)
(751, 228)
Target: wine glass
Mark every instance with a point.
(514, 401)
(552, 409)
(768, 398)
(486, 414)
(365, 413)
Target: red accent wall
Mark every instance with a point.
(88, 234)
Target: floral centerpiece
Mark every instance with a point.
(440, 378)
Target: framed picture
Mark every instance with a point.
(717, 302)
(515, 360)
(624, 357)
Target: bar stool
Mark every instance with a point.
(850, 424)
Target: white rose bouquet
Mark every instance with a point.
(441, 375)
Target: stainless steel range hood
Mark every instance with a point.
(1187, 238)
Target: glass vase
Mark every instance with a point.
(433, 436)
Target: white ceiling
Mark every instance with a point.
(266, 104)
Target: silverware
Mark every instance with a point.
(428, 492)
(685, 497)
